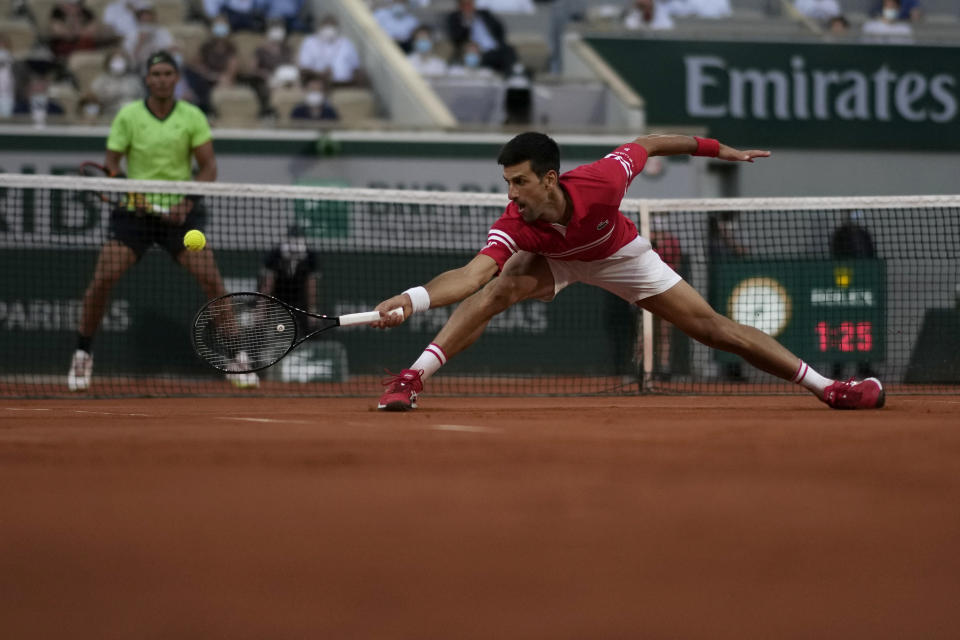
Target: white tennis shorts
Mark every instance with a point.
(634, 272)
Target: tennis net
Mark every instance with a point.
(855, 286)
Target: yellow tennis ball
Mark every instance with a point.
(194, 240)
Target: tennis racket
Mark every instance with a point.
(115, 199)
(248, 331)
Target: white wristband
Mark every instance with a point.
(419, 297)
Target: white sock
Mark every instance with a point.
(430, 360)
(810, 379)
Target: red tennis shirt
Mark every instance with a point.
(597, 229)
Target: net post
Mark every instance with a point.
(646, 318)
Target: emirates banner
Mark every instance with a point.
(796, 95)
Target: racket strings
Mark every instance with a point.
(244, 332)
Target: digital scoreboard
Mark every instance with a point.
(822, 310)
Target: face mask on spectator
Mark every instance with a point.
(91, 109)
(327, 33)
(423, 45)
(118, 66)
(296, 248)
(220, 29)
(276, 34)
(314, 98)
(890, 14)
(471, 59)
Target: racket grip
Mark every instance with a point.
(366, 317)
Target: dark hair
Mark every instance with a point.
(162, 57)
(542, 152)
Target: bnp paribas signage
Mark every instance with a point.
(797, 95)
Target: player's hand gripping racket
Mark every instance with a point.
(261, 328)
(135, 201)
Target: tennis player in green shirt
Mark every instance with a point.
(160, 137)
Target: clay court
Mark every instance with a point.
(650, 517)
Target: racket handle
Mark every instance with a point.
(366, 317)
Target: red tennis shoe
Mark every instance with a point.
(855, 394)
(401, 392)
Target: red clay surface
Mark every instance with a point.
(554, 518)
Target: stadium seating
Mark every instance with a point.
(189, 36)
(170, 12)
(21, 34)
(41, 13)
(532, 49)
(283, 101)
(529, 34)
(355, 105)
(246, 43)
(67, 96)
(235, 106)
(85, 66)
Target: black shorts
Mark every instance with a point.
(140, 232)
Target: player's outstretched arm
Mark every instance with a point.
(735, 155)
(447, 288)
(672, 145)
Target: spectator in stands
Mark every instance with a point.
(243, 15)
(120, 16)
(315, 105)
(820, 10)
(888, 28)
(73, 27)
(36, 101)
(286, 76)
(507, 6)
(215, 66)
(117, 85)
(294, 13)
(469, 24)
(469, 63)
(398, 22)
(422, 56)
(148, 37)
(8, 78)
(699, 8)
(851, 240)
(88, 109)
(211, 8)
(330, 53)
(910, 10)
(838, 26)
(274, 53)
(647, 14)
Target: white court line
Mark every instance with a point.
(98, 413)
(264, 420)
(112, 413)
(464, 428)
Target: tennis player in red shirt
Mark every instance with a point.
(560, 229)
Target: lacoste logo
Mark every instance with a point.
(602, 225)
